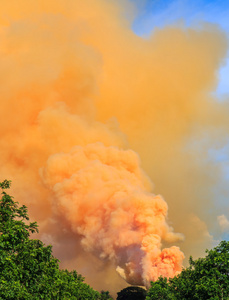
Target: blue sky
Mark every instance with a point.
(159, 13)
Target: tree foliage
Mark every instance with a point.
(205, 278)
(105, 295)
(28, 269)
(132, 293)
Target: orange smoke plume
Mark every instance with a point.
(78, 90)
(105, 197)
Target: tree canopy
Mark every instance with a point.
(205, 278)
(132, 293)
(28, 270)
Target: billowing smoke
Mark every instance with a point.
(78, 90)
(106, 200)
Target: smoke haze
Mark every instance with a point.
(78, 90)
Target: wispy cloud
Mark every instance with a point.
(158, 14)
(223, 223)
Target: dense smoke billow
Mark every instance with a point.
(83, 101)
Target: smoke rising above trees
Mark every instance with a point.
(76, 77)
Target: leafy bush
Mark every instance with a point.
(205, 278)
(28, 269)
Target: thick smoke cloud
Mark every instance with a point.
(105, 198)
(78, 90)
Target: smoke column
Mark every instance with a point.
(78, 90)
(104, 196)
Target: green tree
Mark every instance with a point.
(160, 290)
(105, 295)
(132, 293)
(28, 269)
(205, 278)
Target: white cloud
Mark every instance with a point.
(223, 223)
